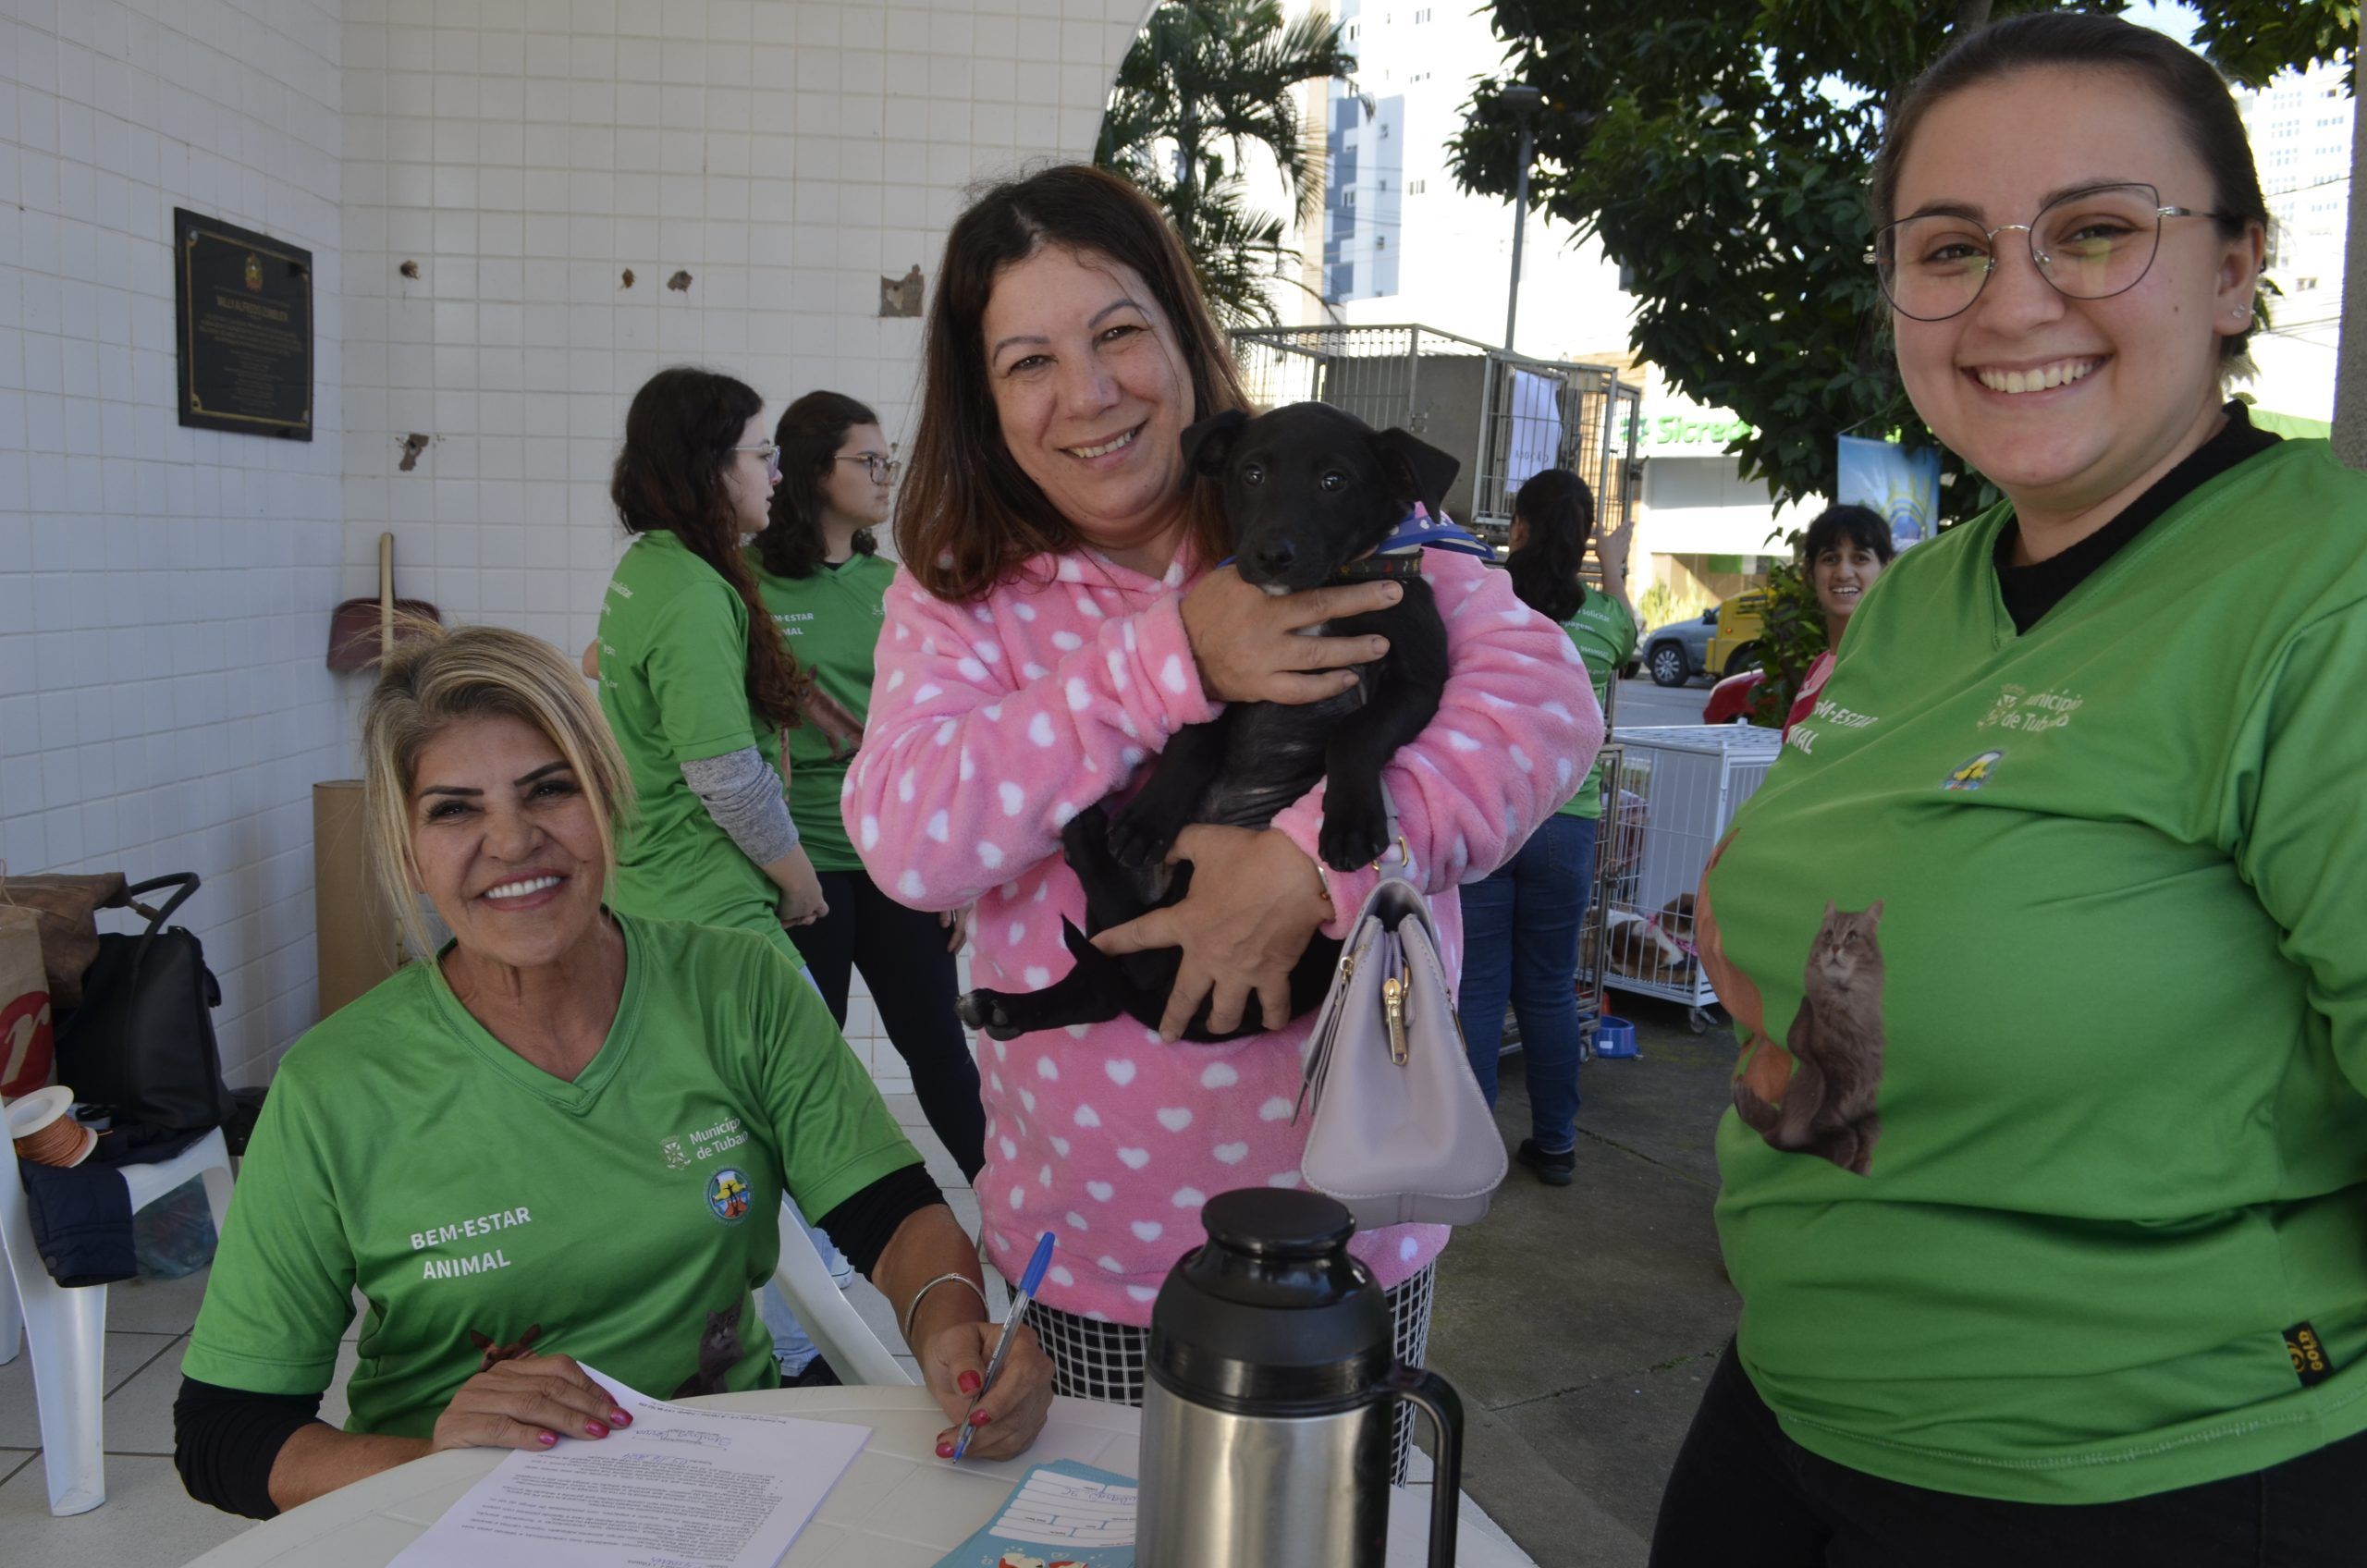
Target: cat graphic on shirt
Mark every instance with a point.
(493, 1350)
(1826, 1106)
(720, 1351)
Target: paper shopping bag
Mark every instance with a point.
(26, 1045)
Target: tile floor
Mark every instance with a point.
(148, 1520)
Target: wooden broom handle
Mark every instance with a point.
(386, 596)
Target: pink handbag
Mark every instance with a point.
(1401, 1132)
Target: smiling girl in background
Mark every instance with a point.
(1844, 550)
(2046, 1188)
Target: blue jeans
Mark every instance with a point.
(1520, 943)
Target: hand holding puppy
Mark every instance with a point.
(1251, 645)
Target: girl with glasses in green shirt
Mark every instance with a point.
(820, 576)
(2045, 1190)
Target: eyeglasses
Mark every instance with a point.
(770, 453)
(2090, 245)
(881, 469)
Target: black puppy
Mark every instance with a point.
(1309, 490)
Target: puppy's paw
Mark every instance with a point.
(1140, 839)
(1353, 834)
(985, 1009)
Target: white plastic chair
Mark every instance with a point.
(837, 1329)
(67, 1328)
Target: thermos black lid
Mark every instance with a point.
(1277, 1222)
(1271, 1316)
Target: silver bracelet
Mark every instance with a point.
(913, 1308)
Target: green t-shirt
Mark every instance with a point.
(831, 622)
(2067, 928)
(673, 682)
(1605, 633)
(407, 1154)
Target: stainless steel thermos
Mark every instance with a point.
(1268, 1412)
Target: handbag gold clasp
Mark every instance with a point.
(1392, 1009)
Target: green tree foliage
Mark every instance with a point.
(1791, 638)
(1721, 149)
(1205, 81)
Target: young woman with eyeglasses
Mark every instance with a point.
(821, 578)
(693, 675)
(2046, 1188)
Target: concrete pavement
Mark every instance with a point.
(1579, 1323)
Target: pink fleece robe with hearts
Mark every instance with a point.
(993, 723)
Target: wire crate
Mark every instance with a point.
(1502, 416)
(1677, 789)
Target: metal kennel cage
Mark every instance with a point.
(1676, 790)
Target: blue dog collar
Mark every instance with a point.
(1400, 555)
(1418, 529)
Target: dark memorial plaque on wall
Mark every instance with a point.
(245, 329)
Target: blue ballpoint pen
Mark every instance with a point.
(1028, 1283)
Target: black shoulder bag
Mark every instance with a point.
(142, 1045)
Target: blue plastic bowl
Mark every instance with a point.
(1615, 1037)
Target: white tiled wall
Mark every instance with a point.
(165, 592)
(787, 154)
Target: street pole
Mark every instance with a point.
(1523, 101)
(2350, 347)
(1520, 225)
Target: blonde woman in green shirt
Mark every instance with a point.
(819, 575)
(693, 675)
(559, 1141)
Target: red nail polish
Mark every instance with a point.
(968, 1382)
(619, 1418)
(547, 1439)
(979, 1418)
(945, 1451)
(594, 1430)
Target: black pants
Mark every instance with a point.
(1743, 1492)
(902, 954)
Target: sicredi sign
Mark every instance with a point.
(1688, 432)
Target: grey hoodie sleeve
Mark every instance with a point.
(744, 797)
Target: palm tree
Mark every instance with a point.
(1205, 81)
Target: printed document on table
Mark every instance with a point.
(1062, 1515)
(678, 1489)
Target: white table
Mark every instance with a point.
(898, 1505)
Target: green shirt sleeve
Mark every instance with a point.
(281, 1291)
(2301, 839)
(697, 672)
(832, 1129)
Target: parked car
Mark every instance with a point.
(1731, 699)
(1722, 640)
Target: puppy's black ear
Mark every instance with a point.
(1421, 469)
(1207, 444)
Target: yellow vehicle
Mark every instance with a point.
(1721, 640)
(1733, 646)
